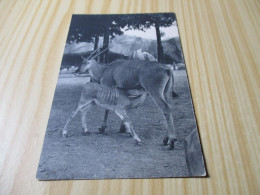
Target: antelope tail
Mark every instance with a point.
(174, 94)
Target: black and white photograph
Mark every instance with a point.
(122, 106)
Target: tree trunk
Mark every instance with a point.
(105, 45)
(159, 44)
(104, 57)
(96, 42)
(96, 46)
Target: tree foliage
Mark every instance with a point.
(87, 28)
(84, 28)
(144, 21)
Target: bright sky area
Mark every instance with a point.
(171, 31)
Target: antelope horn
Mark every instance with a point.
(100, 45)
(102, 52)
(83, 58)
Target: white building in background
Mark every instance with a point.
(139, 55)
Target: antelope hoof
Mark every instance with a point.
(102, 129)
(85, 133)
(174, 95)
(122, 129)
(171, 147)
(137, 139)
(64, 135)
(165, 141)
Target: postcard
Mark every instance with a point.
(122, 107)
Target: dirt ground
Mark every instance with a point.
(113, 154)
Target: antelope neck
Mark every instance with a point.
(97, 71)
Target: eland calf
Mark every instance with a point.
(112, 99)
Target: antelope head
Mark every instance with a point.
(88, 62)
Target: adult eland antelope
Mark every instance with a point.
(132, 75)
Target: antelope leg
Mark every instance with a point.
(72, 115)
(165, 108)
(122, 128)
(130, 128)
(84, 112)
(81, 105)
(128, 125)
(104, 125)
